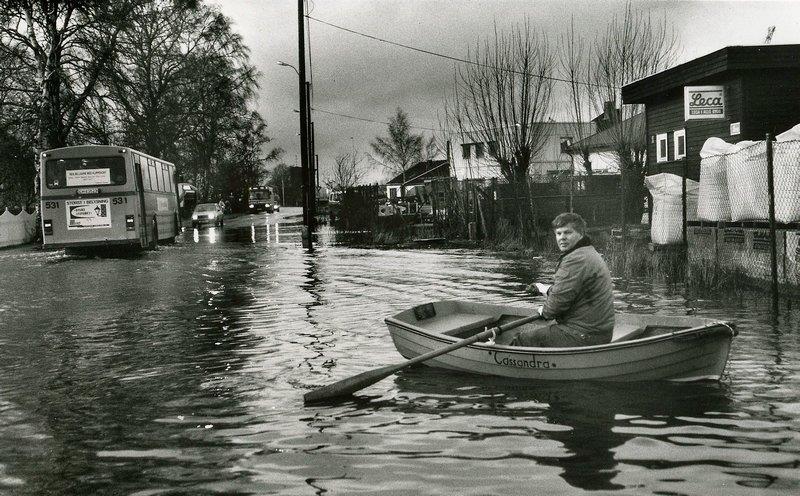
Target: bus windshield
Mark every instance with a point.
(76, 172)
(260, 194)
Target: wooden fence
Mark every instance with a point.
(491, 207)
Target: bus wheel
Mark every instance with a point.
(154, 237)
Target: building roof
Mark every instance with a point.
(417, 173)
(732, 58)
(604, 140)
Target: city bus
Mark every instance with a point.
(263, 198)
(95, 196)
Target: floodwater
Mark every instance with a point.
(182, 371)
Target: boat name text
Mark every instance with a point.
(524, 363)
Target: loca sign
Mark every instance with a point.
(703, 102)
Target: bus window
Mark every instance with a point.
(164, 176)
(145, 176)
(75, 172)
(151, 167)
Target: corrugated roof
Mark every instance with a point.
(417, 173)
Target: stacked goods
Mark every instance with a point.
(786, 162)
(713, 203)
(747, 181)
(667, 192)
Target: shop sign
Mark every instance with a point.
(703, 102)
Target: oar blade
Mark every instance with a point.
(350, 385)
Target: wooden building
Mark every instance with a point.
(759, 87)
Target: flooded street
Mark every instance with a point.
(182, 371)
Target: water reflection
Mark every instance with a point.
(588, 420)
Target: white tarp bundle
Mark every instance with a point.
(713, 203)
(786, 161)
(747, 180)
(748, 187)
(733, 179)
(667, 192)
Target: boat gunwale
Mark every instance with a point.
(706, 330)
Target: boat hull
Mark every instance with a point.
(688, 353)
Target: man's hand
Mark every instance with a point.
(538, 288)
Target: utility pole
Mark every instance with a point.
(304, 128)
(312, 184)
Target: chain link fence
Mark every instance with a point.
(747, 217)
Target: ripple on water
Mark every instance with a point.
(186, 367)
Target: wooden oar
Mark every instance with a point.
(348, 386)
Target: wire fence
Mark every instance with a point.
(491, 210)
(741, 217)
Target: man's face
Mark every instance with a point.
(567, 237)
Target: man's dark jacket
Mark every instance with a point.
(581, 299)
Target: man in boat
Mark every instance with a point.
(581, 299)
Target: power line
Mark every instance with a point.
(441, 55)
(366, 120)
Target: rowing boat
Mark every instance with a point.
(643, 347)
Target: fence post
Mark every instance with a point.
(683, 196)
(772, 238)
(623, 210)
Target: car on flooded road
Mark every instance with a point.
(207, 213)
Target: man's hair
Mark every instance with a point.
(569, 218)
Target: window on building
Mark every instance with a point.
(465, 150)
(661, 147)
(566, 142)
(680, 143)
(478, 150)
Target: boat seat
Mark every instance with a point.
(455, 324)
(627, 332)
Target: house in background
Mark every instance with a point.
(472, 159)
(600, 146)
(415, 176)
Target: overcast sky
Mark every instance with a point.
(367, 79)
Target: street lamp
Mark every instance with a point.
(284, 64)
(306, 152)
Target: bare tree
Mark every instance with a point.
(503, 98)
(401, 149)
(347, 171)
(574, 62)
(634, 46)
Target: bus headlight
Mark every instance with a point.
(129, 223)
(251, 205)
(47, 225)
(194, 216)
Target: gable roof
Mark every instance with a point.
(732, 58)
(417, 173)
(604, 140)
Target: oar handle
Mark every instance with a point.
(350, 385)
(470, 340)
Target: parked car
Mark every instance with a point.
(207, 213)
